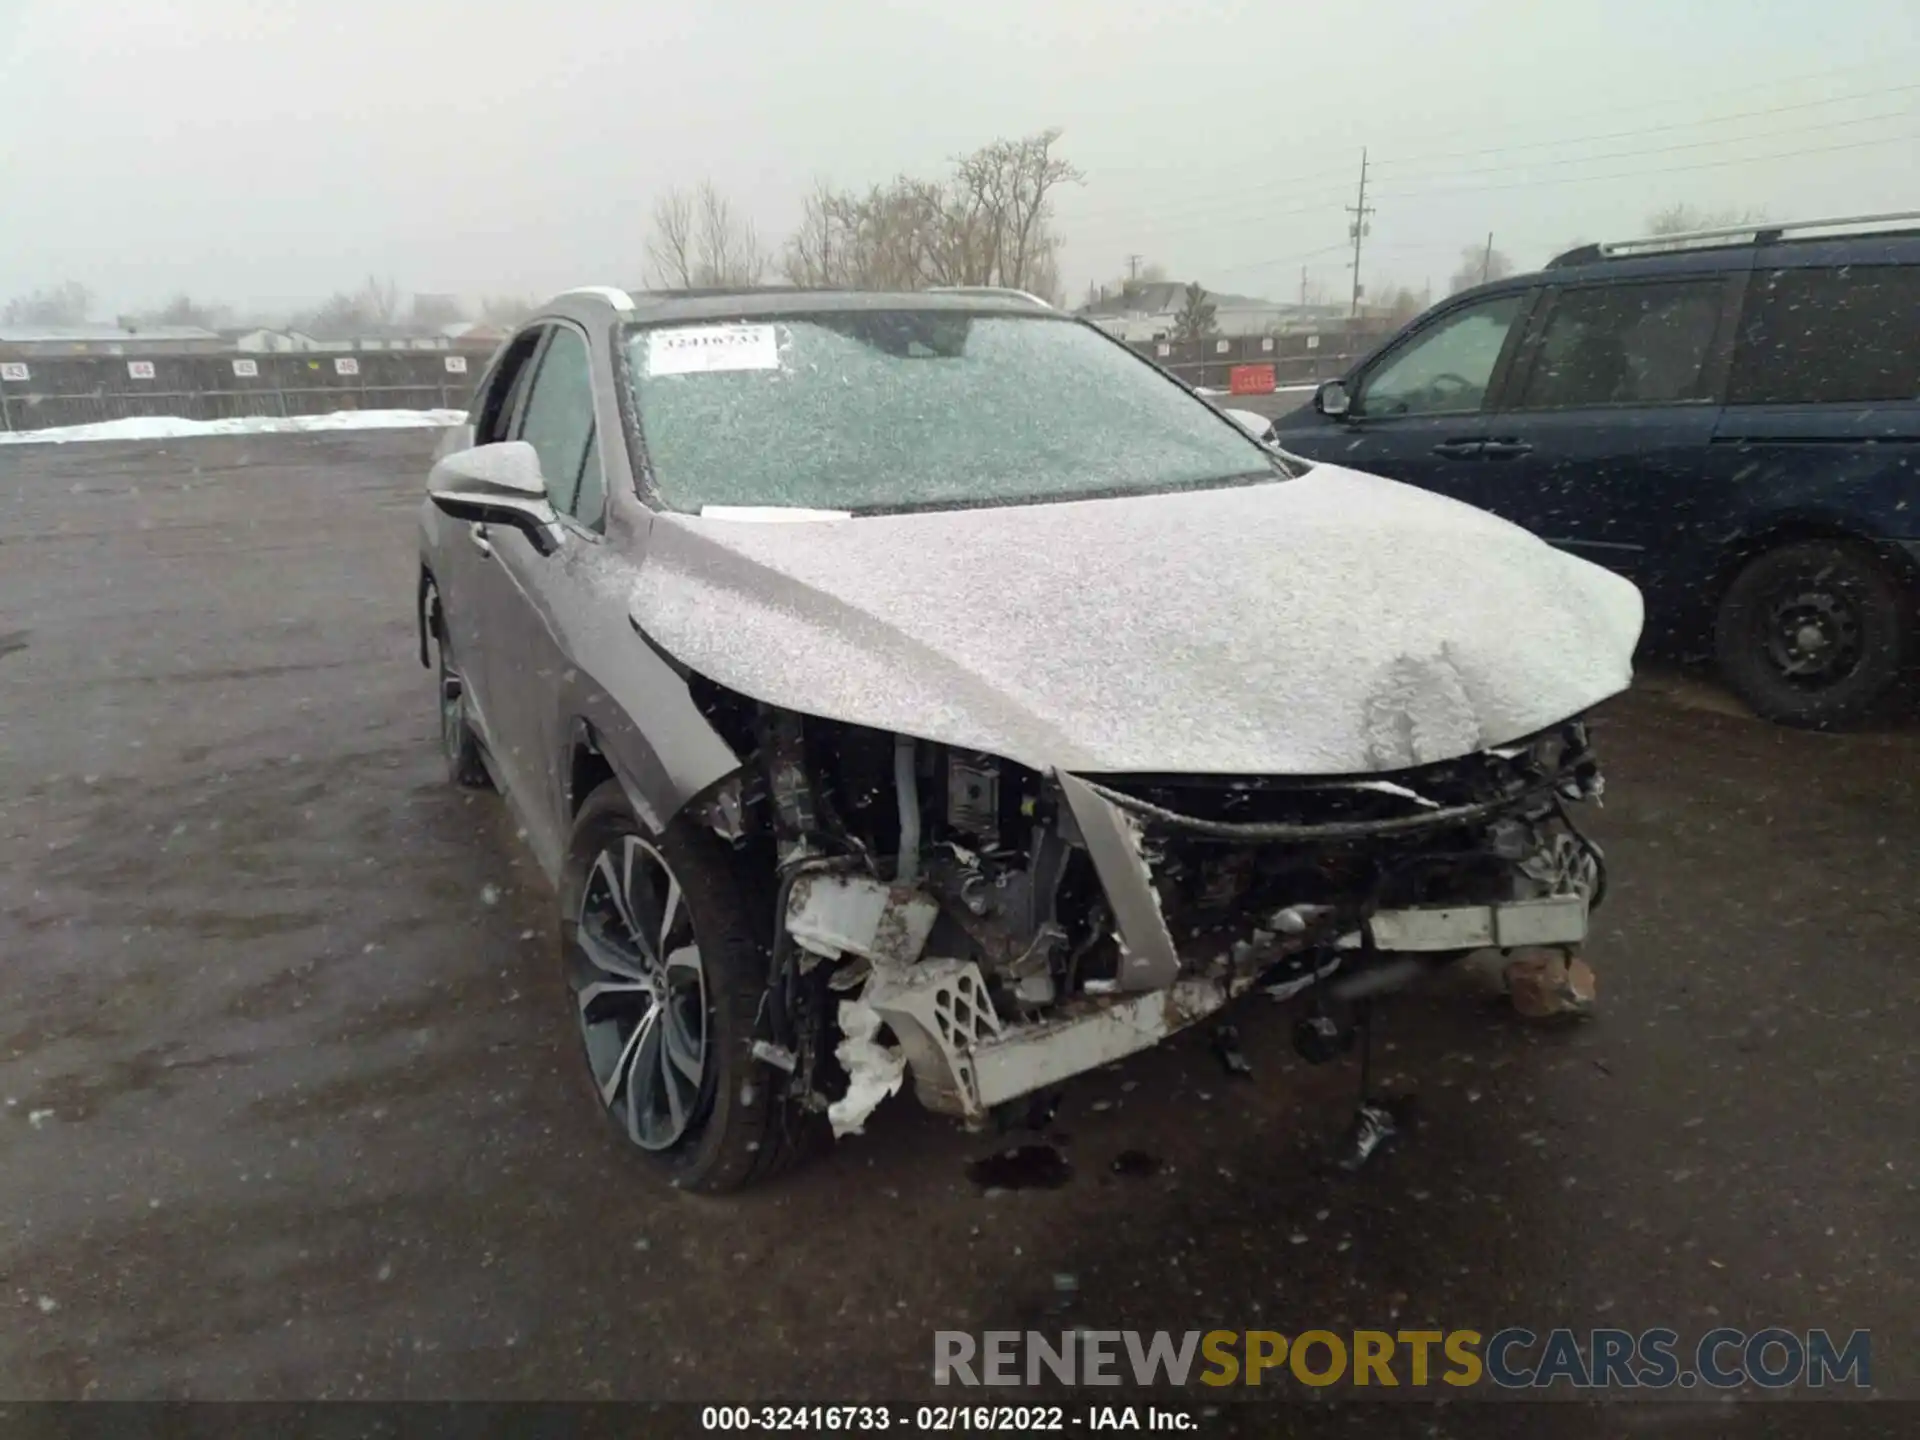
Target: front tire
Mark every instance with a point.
(1815, 633)
(665, 986)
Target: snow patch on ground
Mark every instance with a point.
(173, 427)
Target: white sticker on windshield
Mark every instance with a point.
(704, 349)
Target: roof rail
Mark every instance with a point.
(1759, 232)
(1002, 290)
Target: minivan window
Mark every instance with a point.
(1625, 345)
(1447, 368)
(1829, 335)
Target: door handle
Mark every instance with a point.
(1505, 449)
(1459, 449)
(477, 536)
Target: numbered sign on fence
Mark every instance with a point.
(246, 369)
(456, 364)
(1266, 344)
(1220, 347)
(140, 369)
(14, 370)
(1163, 351)
(1313, 342)
(346, 365)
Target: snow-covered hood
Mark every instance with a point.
(1334, 624)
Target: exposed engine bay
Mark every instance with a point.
(994, 930)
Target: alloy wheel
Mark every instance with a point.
(640, 992)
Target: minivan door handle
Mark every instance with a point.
(477, 535)
(1459, 449)
(1505, 449)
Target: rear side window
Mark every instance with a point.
(1626, 345)
(1828, 336)
(495, 421)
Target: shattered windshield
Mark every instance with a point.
(916, 409)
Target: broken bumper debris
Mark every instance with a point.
(1137, 908)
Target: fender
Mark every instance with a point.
(617, 674)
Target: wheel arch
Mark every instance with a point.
(632, 716)
(1791, 528)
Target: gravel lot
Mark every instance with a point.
(290, 1109)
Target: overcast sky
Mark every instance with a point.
(267, 152)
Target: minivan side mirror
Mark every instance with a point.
(497, 484)
(1331, 399)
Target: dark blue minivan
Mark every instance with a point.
(1730, 419)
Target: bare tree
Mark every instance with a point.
(1401, 303)
(373, 307)
(505, 310)
(699, 241)
(183, 310)
(1680, 218)
(988, 223)
(67, 304)
(437, 311)
(1479, 264)
(1196, 318)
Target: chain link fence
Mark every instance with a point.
(41, 392)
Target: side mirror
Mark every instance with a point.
(1331, 399)
(497, 485)
(510, 469)
(1255, 425)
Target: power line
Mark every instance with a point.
(1281, 260)
(1906, 114)
(1190, 221)
(1658, 129)
(1243, 193)
(1904, 62)
(1665, 170)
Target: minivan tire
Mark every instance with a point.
(1828, 609)
(741, 1125)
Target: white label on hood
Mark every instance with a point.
(703, 349)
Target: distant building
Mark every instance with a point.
(27, 341)
(263, 341)
(370, 337)
(1151, 310)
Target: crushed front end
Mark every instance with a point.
(993, 930)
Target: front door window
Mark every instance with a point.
(1447, 368)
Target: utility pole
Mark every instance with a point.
(1359, 230)
(1486, 263)
(1133, 266)
(1303, 287)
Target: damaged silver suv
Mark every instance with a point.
(925, 685)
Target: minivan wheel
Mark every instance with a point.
(665, 983)
(1814, 633)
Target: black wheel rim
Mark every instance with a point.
(1812, 633)
(640, 993)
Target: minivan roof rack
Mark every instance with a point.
(1759, 232)
(1004, 290)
